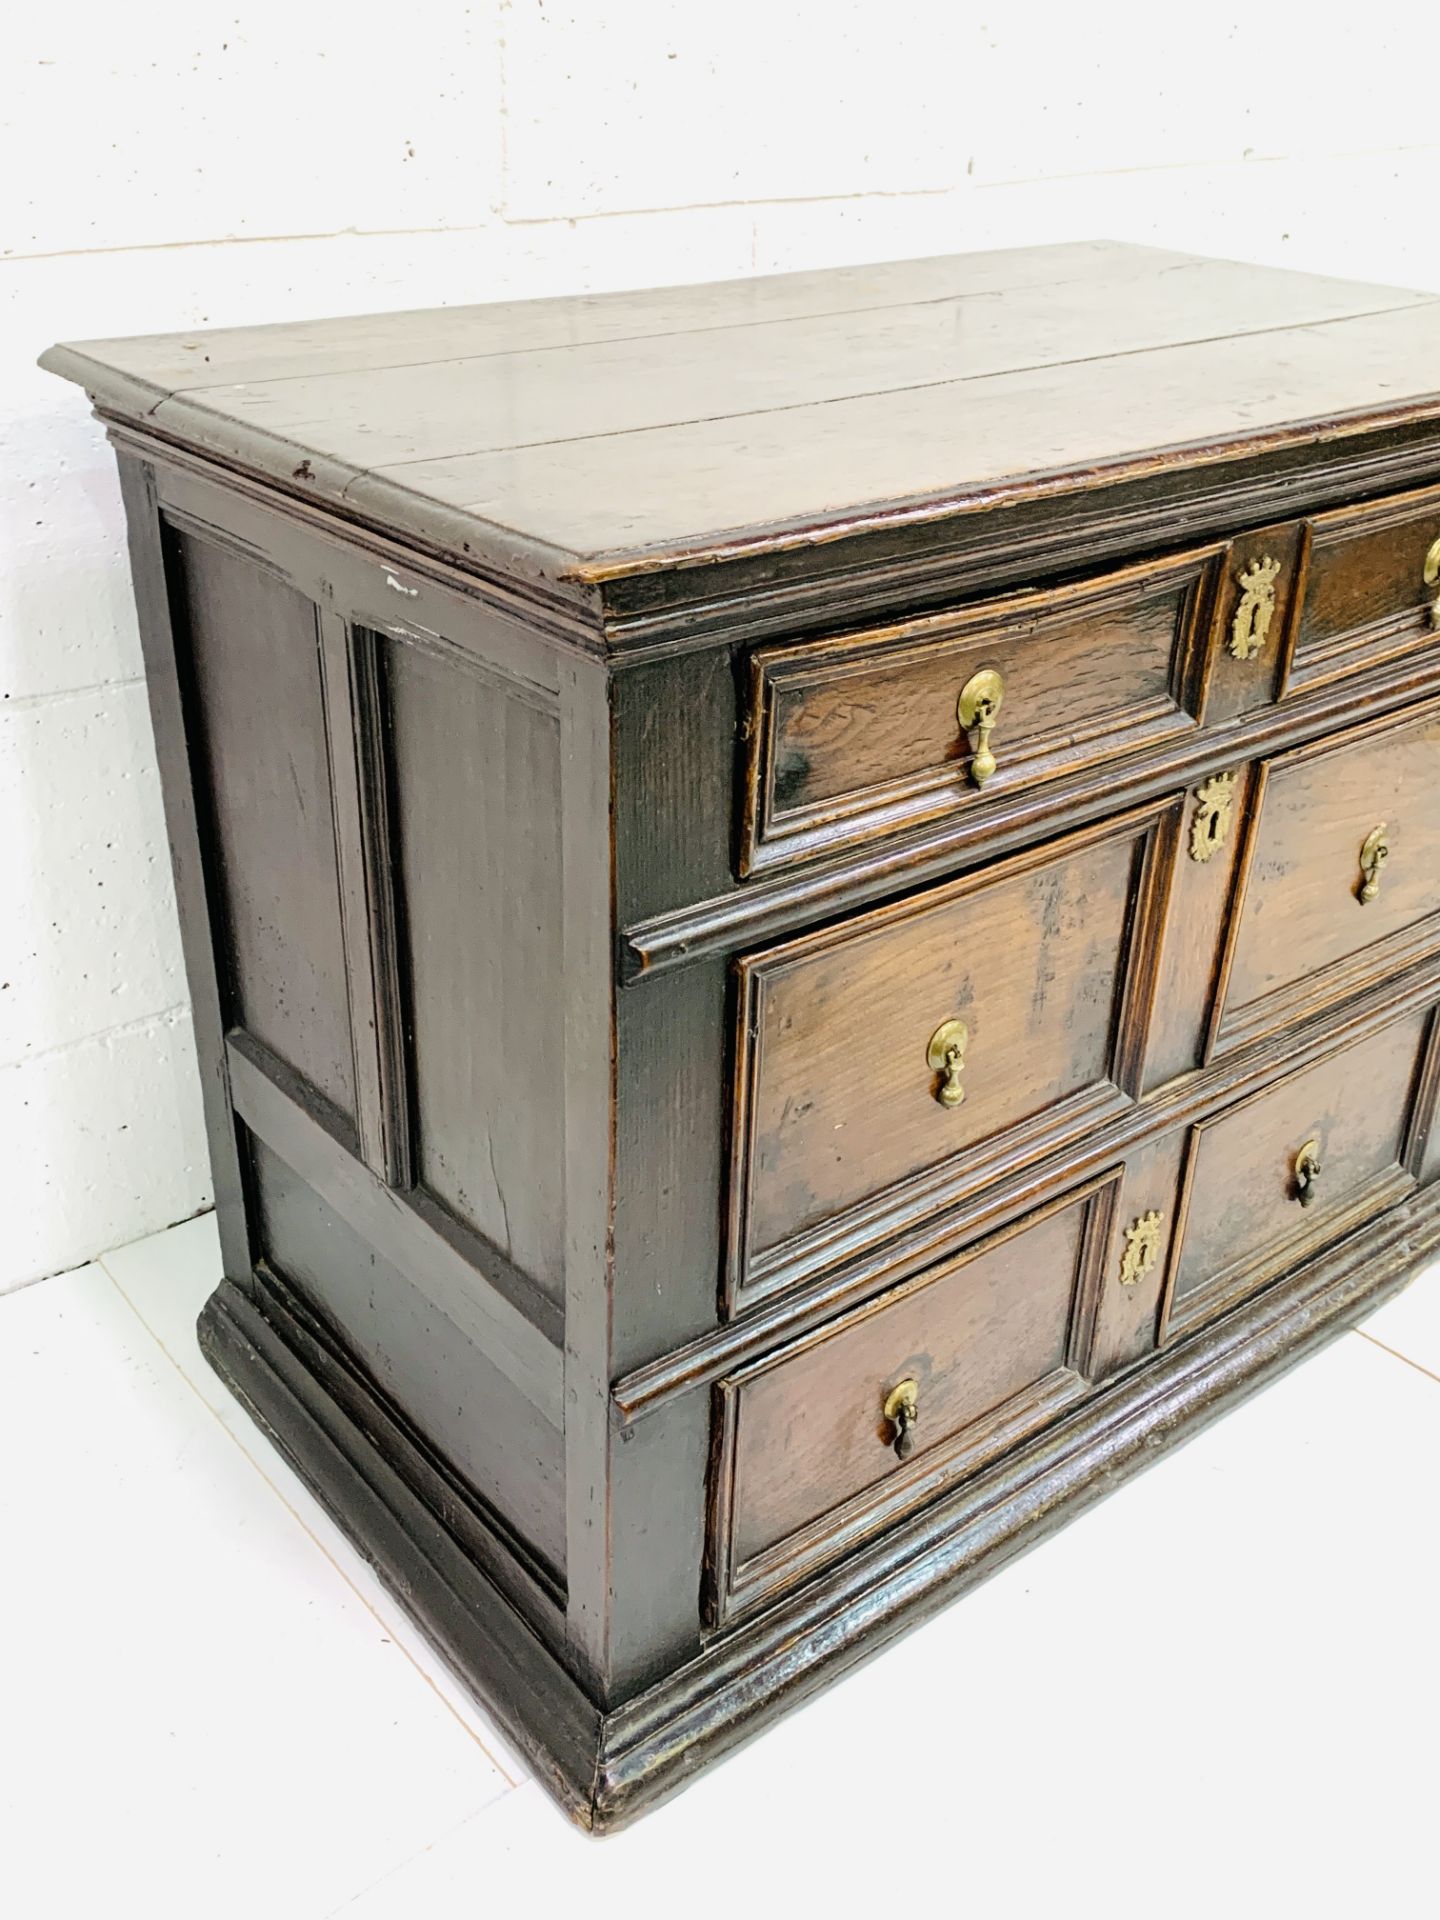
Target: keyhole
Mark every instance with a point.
(1212, 829)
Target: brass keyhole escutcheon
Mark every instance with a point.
(902, 1410)
(1432, 579)
(1256, 608)
(1373, 855)
(1214, 803)
(1142, 1244)
(980, 701)
(1307, 1172)
(945, 1055)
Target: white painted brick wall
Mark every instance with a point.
(178, 165)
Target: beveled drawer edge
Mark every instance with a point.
(1193, 1096)
(769, 907)
(1328, 987)
(734, 1588)
(1343, 977)
(1331, 663)
(1243, 1277)
(1392, 1183)
(770, 843)
(750, 1278)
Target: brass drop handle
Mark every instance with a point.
(902, 1410)
(945, 1055)
(1307, 1172)
(1432, 579)
(980, 701)
(1373, 855)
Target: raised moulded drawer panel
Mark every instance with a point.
(860, 736)
(845, 1130)
(1367, 595)
(1277, 1176)
(1341, 881)
(991, 1344)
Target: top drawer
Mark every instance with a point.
(1372, 588)
(859, 736)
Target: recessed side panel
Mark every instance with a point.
(425, 1363)
(474, 778)
(251, 645)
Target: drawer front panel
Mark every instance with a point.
(1302, 935)
(1255, 1202)
(841, 1115)
(992, 1344)
(1367, 597)
(856, 737)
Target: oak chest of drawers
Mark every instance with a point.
(813, 909)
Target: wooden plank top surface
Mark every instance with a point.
(592, 437)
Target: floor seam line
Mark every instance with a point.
(1395, 1354)
(501, 1769)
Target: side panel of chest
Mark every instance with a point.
(377, 810)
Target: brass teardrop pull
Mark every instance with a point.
(945, 1055)
(902, 1410)
(980, 701)
(1307, 1172)
(1432, 579)
(1373, 855)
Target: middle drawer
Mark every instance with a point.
(891, 1064)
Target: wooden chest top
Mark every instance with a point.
(588, 440)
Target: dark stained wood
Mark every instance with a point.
(172, 713)
(518, 1326)
(768, 906)
(1366, 598)
(1195, 925)
(1301, 935)
(575, 851)
(432, 1369)
(996, 1342)
(1247, 683)
(1127, 1312)
(836, 1104)
(607, 1768)
(634, 453)
(1009, 1190)
(474, 768)
(366, 902)
(255, 655)
(1243, 1218)
(857, 737)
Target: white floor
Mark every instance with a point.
(1219, 1693)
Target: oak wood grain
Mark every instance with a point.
(858, 736)
(1301, 932)
(837, 1102)
(604, 454)
(1242, 1213)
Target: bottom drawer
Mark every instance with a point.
(1274, 1178)
(970, 1356)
